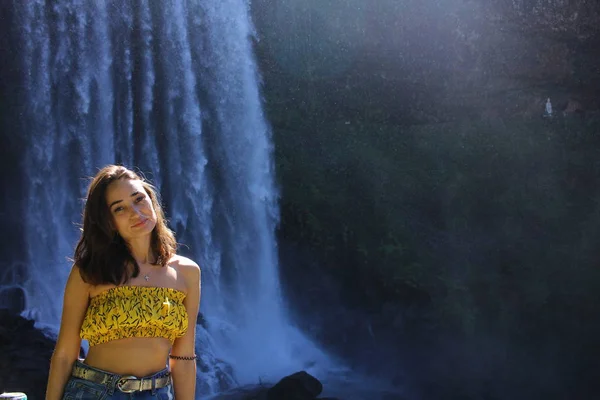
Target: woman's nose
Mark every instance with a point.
(136, 211)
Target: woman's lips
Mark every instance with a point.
(142, 222)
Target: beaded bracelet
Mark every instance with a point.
(190, 358)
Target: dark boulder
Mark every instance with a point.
(298, 386)
(25, 354)
(12, 299)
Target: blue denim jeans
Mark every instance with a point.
(81, 389)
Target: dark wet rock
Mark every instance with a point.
(12, 299)
(221, 372)
(298, 386)
(219, 375)
(24, 356)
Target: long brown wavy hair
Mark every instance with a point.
(101, 254)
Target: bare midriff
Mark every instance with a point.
(138, 357)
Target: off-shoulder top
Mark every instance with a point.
(135, 311)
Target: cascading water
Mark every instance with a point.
(169, 87)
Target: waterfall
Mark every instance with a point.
(171, 88)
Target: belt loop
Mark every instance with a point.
(112, 384)
(154, 385)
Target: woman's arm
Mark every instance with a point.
(184, 371)
(75, 303)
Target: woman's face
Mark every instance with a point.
(131, 209)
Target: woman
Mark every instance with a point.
(130, 296)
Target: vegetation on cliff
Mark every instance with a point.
(489, 230)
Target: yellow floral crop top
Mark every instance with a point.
(135, 311)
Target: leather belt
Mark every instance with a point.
(126, 383)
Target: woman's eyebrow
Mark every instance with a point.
(118, 201)
(114, 202)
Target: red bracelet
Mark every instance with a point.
(183, 357)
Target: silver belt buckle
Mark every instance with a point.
(123, 380)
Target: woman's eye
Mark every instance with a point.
(118, 209)
(140, 198)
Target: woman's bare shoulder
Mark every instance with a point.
(184, 264)
(188, 269)
(76, 285)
